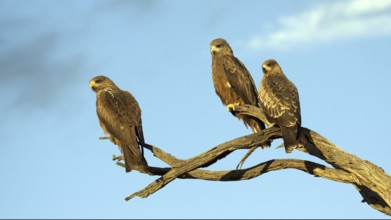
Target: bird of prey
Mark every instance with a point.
(120, 116)
(279, 100)
(234, 84)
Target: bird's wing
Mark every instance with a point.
(113, 111)
(240, 80)
(280, 100)
(134, 115)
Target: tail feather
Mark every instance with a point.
(133, 161)
(291, 137)
(140, 138)
(134, 158)
(255, 124)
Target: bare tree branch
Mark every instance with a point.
(370, 180)
(309, 167)
(206, 159)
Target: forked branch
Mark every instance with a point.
(370, 180)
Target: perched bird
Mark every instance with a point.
(120, 116)
(279, 101)
(234, 84)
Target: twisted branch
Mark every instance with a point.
(371, 181)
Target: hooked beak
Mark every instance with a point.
(92, 84)
(213, 49)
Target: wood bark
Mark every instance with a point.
(371, 181)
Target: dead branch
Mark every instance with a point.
(370, 180)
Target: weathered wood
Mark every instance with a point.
(309, 167)
(370, 180)
(207, 158)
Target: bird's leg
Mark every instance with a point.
(241, 162)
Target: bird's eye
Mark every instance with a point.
(98, 81)
(218, 45)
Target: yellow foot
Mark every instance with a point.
(231, 107)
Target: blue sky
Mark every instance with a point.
(53, 165)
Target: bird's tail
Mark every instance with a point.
(134, 160)
(255, 124)
(291, 137)
(134, 157)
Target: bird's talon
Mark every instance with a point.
(231, 107)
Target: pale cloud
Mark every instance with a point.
(326, 23)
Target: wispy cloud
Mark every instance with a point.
(34, 66)
(40, 59)
(333, 21)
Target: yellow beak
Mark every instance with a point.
(213, 48)
(92, 84)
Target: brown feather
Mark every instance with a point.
(279, 99)
(234, 84)
(120, 116)
(232, 81)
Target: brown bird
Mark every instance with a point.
(279, 100)
(120, 116)
(234, 84)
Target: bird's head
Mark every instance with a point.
(101, 82)
(220, 46)
(269, 66)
